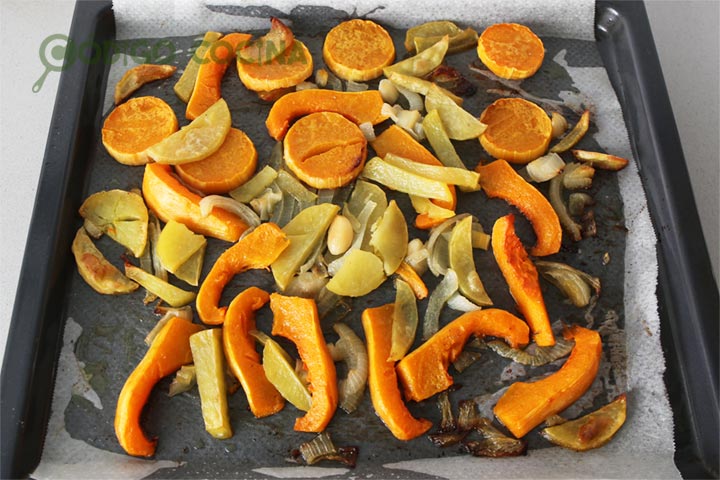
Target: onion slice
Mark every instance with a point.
(350, 349)
(323, 448)
(460, 303)
(405, 320)
(445, 289)
(545, 168)
(168, 312)
(435, 234)
(245, 213)
(533, 355)
(183, 381)
(368, 131)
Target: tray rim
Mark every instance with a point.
(35, 333)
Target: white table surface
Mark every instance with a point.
(686, 37)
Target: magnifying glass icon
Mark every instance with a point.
(56, 54)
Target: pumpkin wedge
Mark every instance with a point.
(257, 250)
(382, 379)
(499, 179)
(423, 372)
(208, 82)
(526, 405)
(242, 358)
(522, 278)
(169, 351)
(297, 320)
(360, 107)
(171, 200)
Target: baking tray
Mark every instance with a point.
(688, 298)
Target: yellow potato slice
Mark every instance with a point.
(198, 140)
(100, 274)
(122, 215)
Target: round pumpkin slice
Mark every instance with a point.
(136, 125)
(287, 70)
(517, 130)
(229, 167)
(511, 50)
(325, 150)
(358, 50)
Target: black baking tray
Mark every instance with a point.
(687, 292)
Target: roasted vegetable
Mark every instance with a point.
(120, 214)
(498, 179)
(360, 107)
(423, 372)
(100, 274)
(361, 273)
(169, 352)
(304, 232)
(256, 250)
(184, 380)
(280, 372)
(297, 320)
(533, 355)
(590, 431)
(207, 355)
(574, 283)
(525, 405)
(138, 76)
(243, 360)
(405, 321)
(461, 260)
(171, 200)
(350, 349)
(522, 278)
(390, 237)
(574, 135)
(600, 160)
(382, 378)
(322, 448)
(172, 295)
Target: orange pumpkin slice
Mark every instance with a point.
(171, 200)
(498, 179)
(522, 278)
(243, 360)
(382, 379)
(136, 125)
(526, 405)
(358, 50)
(297, 320)
(325, 150)
(168, 352)
(423, 372)
(208, 82)
(287, 70)
(360, 107)
(511, 50)
(226, 169)
(517, 130)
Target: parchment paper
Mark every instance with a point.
(642, 449)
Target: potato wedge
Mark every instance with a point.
(459, 123)
(100, 274)
(122, 215)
